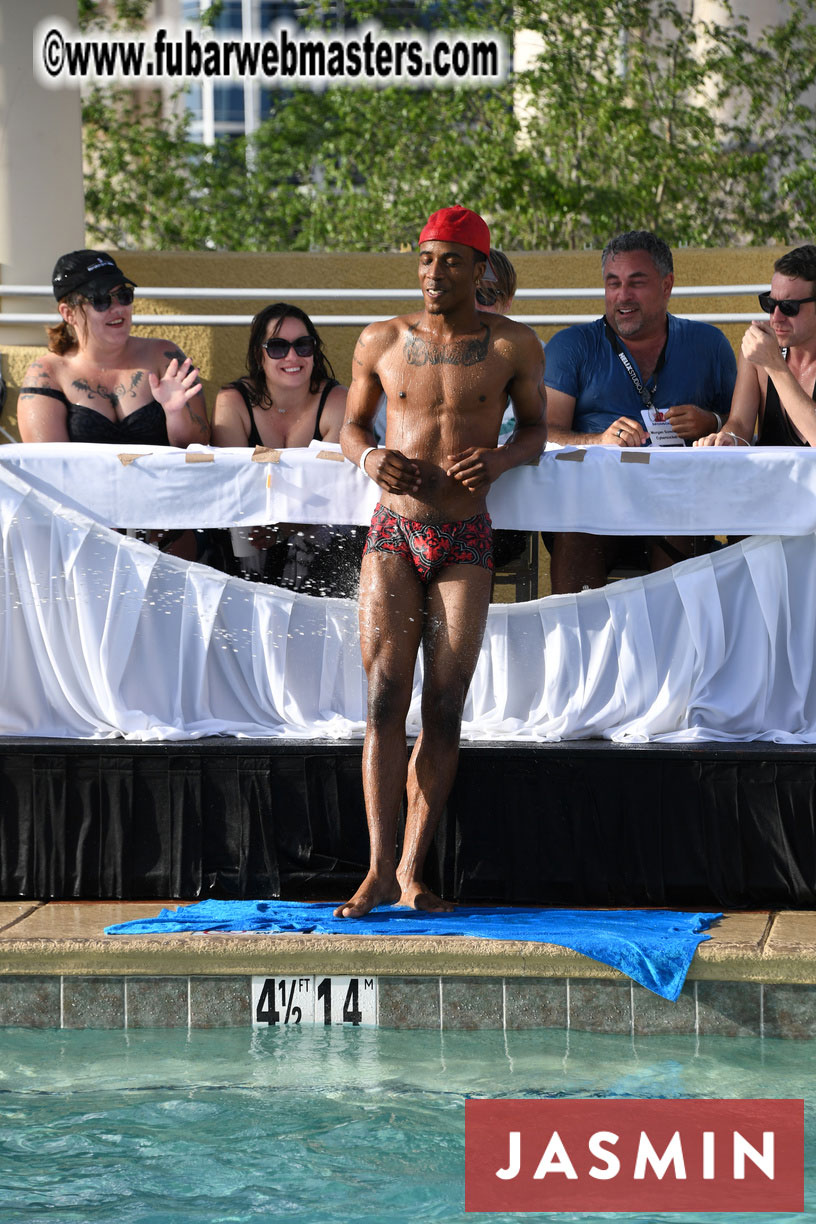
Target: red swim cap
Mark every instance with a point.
(458, 224)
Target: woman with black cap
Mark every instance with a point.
(98, 383)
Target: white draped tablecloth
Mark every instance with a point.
(104, 636)
(677, 491)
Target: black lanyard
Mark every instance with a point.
(644, 392)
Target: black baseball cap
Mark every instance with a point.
(86, 272)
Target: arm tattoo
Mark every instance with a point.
(39, 371)
(36, 374)
(197, 418)
(460, 352)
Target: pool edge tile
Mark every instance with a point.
(654, 1015)
(30, 1002)
(535, 1003)
(220, 1002)
(732, 1009)
(157, 1002)
(409, 1003)
(472, 1003)
(598, 1006)
(93, 1003)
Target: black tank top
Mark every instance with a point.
(254, 438)
(776, 429)
(147, 425)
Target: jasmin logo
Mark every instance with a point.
(634, 1155)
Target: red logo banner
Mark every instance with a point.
(634, 1155)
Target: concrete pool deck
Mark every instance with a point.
(756, 975)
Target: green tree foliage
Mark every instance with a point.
(124, 13)
(632, 114)
(140, 171)
(648, 117)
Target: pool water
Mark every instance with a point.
(318, 1126)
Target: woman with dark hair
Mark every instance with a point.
(98, 383)
(289, 394)
(288, 397)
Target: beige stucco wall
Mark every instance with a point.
(220, 351)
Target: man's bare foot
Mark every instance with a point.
(372, 892)
(416, 896)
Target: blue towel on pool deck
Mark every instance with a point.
(654, 947)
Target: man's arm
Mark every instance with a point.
(389, 468)
(477, 467)
(690, 421)
(561, 413)
(529, 396)
(572, 355)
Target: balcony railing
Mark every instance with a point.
(359, 295)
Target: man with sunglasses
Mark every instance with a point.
(427, 570)
(776, 373)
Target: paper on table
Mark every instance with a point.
(660, 428)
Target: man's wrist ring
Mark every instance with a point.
(364, 456)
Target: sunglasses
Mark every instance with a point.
(277, 347)
(788, 306)
(102, 301)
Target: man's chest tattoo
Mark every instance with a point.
(419, 352)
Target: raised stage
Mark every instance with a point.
(581, 823)
(649, 743)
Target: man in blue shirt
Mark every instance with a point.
(638, 374)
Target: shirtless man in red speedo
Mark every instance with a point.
(427, 569)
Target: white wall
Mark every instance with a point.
(42, 206)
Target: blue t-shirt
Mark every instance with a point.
(700, 368)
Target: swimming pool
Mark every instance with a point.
(317, 1126)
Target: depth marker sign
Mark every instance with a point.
(350, 1001)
